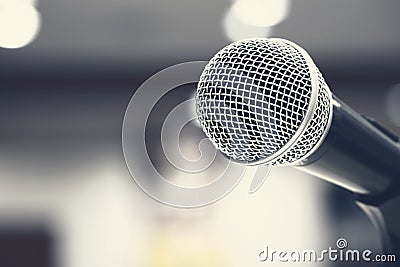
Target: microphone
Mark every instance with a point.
(264, 102)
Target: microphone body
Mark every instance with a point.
(357, 154)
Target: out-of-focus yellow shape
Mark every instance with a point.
(19, 24)
(261, 13)
(236, 29)
(167, 252)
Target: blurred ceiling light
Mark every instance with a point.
(19, 2)
(262, 13)
(392, 104)
(236, 30)
(19, 23)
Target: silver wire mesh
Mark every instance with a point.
(315, 128)
(252, 98)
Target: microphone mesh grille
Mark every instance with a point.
(253, 97)
(315, 129)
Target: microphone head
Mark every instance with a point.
(263, 101)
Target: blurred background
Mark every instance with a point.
(67, 72)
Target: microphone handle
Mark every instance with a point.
(360, 155)
(357, 154)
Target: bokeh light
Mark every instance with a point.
(19, 2)
(392, 104)
(262, 13)
(19, 23)
(235, 29)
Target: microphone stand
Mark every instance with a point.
(385, 216)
